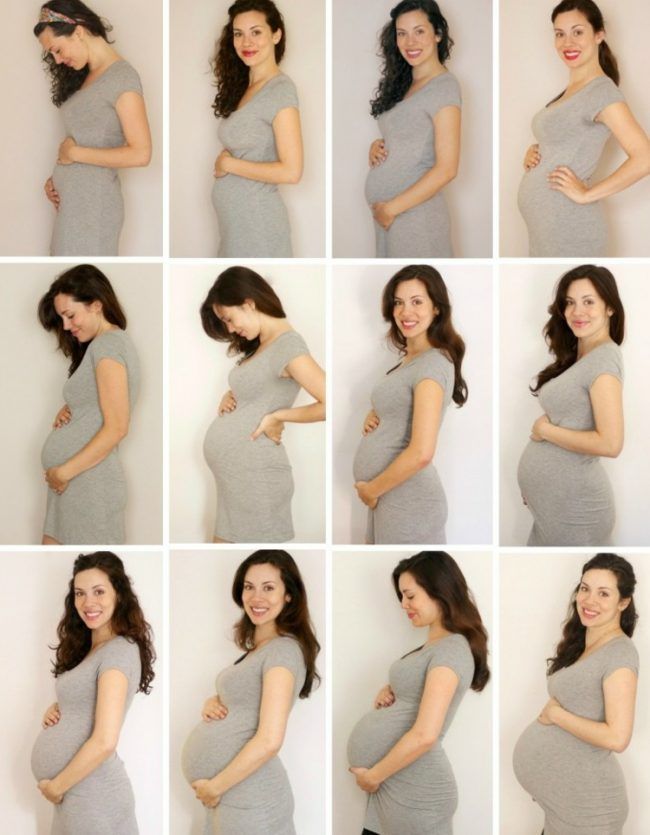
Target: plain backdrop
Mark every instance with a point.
(356, 73)
(195, 29)
(361, 356)
(199, 368)
(202, 616)
(370, 632)
(535, 591)
(33, 130)
(532, 74)
(526, 292)
(34, 586)
(33, 374)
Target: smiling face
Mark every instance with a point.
(421, 609)
(416, 38)
(264, 594)
(575, 40)
(70, 50)
(585, 311)
(84, 321)
(253, 39)
(241, 319)
(598, 601)
(95, 600)
(413, 309)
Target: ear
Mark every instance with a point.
(250, 303)
(624, 603)
(277, 36)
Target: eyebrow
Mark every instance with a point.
(600, 588)
(414, 296)
(583, 296)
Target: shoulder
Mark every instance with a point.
(282, 91)
(284, 651)
(453, 652)
(113, 344)
(601, 92)
(434, 365)
(443, 90)
(125, 75)
(607, 358)
(119, 653)
(289, 345)
(621, 652)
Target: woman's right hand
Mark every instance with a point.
(371, 422)
(228, 403)
(532, 158)
(63, 416)
(377, 153)
(51, 193)
(385, 697)
(51, 715)
(213, 708)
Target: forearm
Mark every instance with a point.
(630, 172)
(408, 749)
(312, 413)
(124, 156)
(276, 172)
(595, 733)
(252, 756)
(89, 757)
(404, 466)
(587, 442)
(424, 189)
(95, 451)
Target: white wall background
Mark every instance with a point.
(199, 369)
(370, 632)
(33, 130)
(526, 292)
(531, 75)
(194, 30)
(32, 595)
(529, 635)
(361, 356)
(33, 375)
(202, 617)
(356, 71)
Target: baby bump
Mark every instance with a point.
(377, 732)
(374, 453)
(61, 444)
(56, 746)
(212, 745)
(87, 184)
(393, 176)
(239, 196)
(228, 446)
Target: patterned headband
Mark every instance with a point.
(48, 16)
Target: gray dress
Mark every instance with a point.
(415, 511)
(567, 134)
(262, 804)
(253, 220)
(254, 480)
(103, 802)
(91, 509)
(91, 212)
(408, 132)
(580, 787)
(569, 493)
(421, 798)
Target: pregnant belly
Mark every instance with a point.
(377, 732)
(56, 746)
(71, 181)
(65, 442)
(392, 177)
(228, 447)
(212, 745)
(374, 453)
(552, 476)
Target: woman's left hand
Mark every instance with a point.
(49, 791)
(219, 170)
(383, 215)
(271, 427)
(365, 494)
(545, 717)
(364, 781)
(205, 793)
(55, 480)
(563, 179)
(65, 147)
(537, 432)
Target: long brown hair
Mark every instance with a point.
(590, 10)
(441, 578)
(128, 620)
(293, 620)
(441, 333)
(561, 341)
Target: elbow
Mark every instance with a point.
(270, 745)
(422, 458)
(619, 744)
(424, 740)
(105, 745)
(141, 157)
(613, 448)
(293, 176)
(448, 173)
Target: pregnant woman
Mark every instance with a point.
(560, 475)
(560, 205)
(259, 129)
(565, 759)
(395, 751)
(406, 501)
(86, 498)
(104, 657)
(243, 445)
(104, 117)
(230, 758)
(417, 106)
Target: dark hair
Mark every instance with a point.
(396, 72)
(231, 289)
(572, 643)
(558, 335)
(590, 10)
(230, 73)
(128, 620)
(441, 578)
(294, 618)
(65, 80)
(441, 333)
(85, 283)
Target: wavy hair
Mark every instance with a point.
(572, 643)
(128, 619)
(86, 284)
(65, 81)
(590, 10)
(293, 620)
(441, 333)
(231, 75)
(441, 578)
(396, 73)
(561, 341)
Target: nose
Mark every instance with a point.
(405, 603)
(66, 324)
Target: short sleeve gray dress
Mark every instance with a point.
(91, 509)
(253, 220)
(262, 804)
(568, 134)
(408, 132)
(415, 511)
(254, 480)
(581, 788)
(569, 493)
(91, 212)
(103, 802)
(420, 799)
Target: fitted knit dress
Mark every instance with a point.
(569, 493)
(409, 135)
(415, 511)
(421, 798)
(568, 134)
(101, 803)
(262, 804)
(91, 212)
(580, 787)
(253, 220)
(254, 480)
(91, 509)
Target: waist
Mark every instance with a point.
(61, 444)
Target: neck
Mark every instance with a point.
(583, 75)
(417, 345)
(265, 633)
(430, 69)
(100, 54)
(600, 634)
(271, 327)
(588, 343)
(104, 326)
(436, 632)
(101, 635)
(262, 73)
